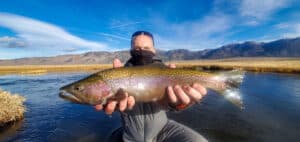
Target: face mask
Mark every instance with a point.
(142, 57)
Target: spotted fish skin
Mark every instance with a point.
(144, 83)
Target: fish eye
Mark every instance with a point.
(79, 88)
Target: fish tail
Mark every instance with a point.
(233, 80)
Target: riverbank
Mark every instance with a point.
(11, 107)
(41, 69)
(281, 65)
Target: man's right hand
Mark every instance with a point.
(127, 103)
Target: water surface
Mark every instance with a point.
(272, 111)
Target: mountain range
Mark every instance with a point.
(278, 48)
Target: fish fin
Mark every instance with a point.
(233, 80)
(234, 96)
(120, 95)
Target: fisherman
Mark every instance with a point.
(148, 122)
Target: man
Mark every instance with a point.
(148, 122)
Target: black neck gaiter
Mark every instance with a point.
(142, 57)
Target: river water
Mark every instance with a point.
(272, 111)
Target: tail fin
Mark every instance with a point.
(233, 80)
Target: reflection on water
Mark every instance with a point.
(10, 129)
(271, 113)
(49, 118)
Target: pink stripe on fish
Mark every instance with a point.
(98, 90)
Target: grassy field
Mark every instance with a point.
(282, 65)
(11, 107)
(41, 69)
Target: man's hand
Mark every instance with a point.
(183, 96)
(127, 103)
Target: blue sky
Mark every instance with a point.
(34, 28)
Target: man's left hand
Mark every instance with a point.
(184, 96)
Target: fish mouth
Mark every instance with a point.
(67, 96)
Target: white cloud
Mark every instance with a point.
(261, 9)
(11, 42)
(122, 25)
(289, 29)
(282, 26)
(252, 23)
(207, 32)
(208, 26)
(115, 36)
(42, 35)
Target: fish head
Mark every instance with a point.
(86, 91)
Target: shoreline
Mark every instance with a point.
(276, 65)
(263, 64)
(42, 69)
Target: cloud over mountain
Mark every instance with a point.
(38, 35)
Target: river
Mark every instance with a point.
(272, 111)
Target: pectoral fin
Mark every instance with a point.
(120, 95)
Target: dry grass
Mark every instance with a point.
(282, 65)
(39, 69)
(11, 107)
(34, 72)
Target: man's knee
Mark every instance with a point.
(174, 131)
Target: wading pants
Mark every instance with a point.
(148, 122)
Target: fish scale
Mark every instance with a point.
(148, 84)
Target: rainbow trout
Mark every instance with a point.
(147, 84)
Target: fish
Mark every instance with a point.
(148, 84)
